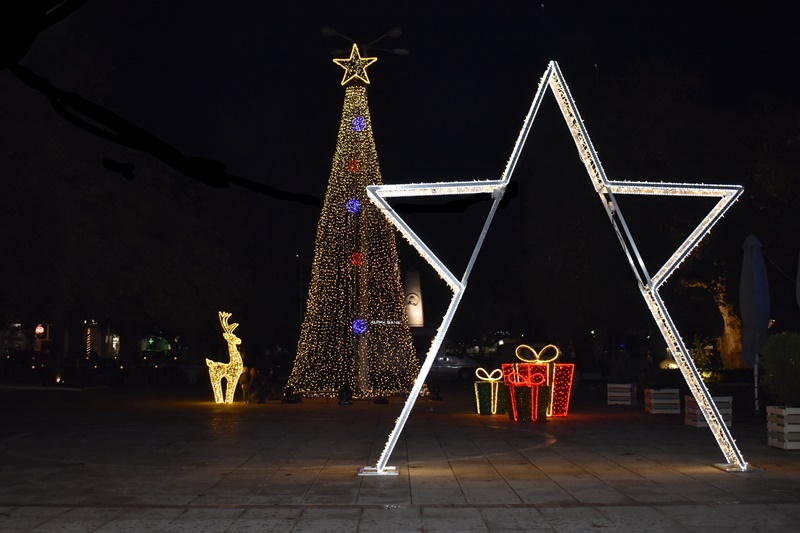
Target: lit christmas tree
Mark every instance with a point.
(355, 332)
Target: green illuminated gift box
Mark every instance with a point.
(491, 394)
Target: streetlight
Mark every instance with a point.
(395, 32)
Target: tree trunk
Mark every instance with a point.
(729, 345)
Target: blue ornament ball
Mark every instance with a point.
(352, 205)
(359, 123)
(359, 326)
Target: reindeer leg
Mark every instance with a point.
(228, 390)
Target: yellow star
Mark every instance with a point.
(355, 66)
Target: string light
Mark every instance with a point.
(491, 381)
(537, 356)
(559, 376)
(605, 189)
(524, 376)
(561, 390)
(355, 66)
(355, 330)
(230, 370)
(649, 286)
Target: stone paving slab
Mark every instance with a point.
(131, 459)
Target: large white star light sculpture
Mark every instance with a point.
(606, 191)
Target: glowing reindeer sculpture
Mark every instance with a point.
(231, 370)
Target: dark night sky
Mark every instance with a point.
(251, 85)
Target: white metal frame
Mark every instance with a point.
(606, 190)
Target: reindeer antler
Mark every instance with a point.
(223, 319)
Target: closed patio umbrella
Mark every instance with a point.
(753, 299)
(754, 305)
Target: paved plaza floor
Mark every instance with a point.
(160, 459)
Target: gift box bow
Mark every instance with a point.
(538, 357)
(483, 375)
(525, 376)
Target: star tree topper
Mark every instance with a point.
(355, 66)
(606, 190)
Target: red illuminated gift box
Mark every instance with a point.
(536, 374)
(523, 381)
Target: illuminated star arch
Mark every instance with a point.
(606, 190)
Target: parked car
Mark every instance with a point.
(451, 362)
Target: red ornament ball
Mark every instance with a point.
(357, 258)
(352, 166)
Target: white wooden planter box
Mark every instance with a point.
(662, 401)
(621, 393)
(693, 417)
(783, 427)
